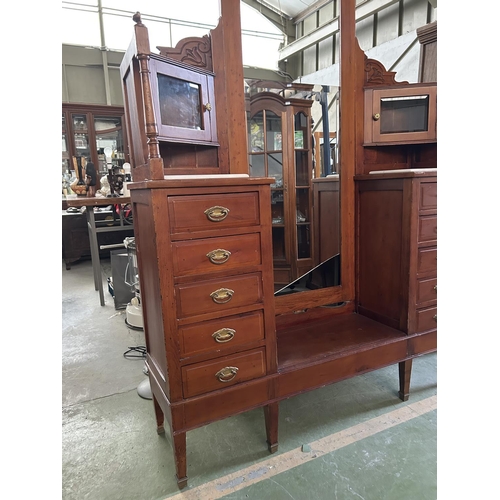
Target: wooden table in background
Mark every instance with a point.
(90, 204)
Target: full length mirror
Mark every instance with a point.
(286, 141)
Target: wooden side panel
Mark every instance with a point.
(326, 201)
(151, 298)
(381, 228)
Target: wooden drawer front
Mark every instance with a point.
(426, 260)
(223, 372)
(428, 195)
(427, 229)
(229, 332)
(426, 290)
(233, 292)
(426, 319)
(187, 213)
(216, 254)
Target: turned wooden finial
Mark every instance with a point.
(137, 18)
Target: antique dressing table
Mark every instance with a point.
(218, 341)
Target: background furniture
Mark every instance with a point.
(94, 229)
(194, 268)
(75, 235)
(280, 146)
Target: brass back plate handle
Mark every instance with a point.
(217, 213)
(222, 295)
(227, 374)
(219, 256)
(223, 335)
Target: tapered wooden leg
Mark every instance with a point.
(160, 417)
(271, 413)
(404, 379)
(179, 447)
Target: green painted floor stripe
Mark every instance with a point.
(280, 463)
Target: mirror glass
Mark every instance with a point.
(286, 142)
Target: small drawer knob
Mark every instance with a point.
(376, 116)
(227, 374)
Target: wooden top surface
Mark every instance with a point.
(85, 201)
(215, 180)
(336, 336)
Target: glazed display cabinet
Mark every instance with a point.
(280, 146)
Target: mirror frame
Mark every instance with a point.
(347, 143)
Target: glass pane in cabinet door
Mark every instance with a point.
(256, 133)
(274, 137)
(303, 242)
(302, 175)
(180, 103)
(301, 131)
(279, 244)
(109, 134)
(277, 207)
(81, 136)
(275, 168)
(257, 165)
(65, 155)
(302, 205)
(404, 114)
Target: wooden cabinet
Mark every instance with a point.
(401, 114)
(87, 131)
(204, 253)
(397, 249)
(219, 342)
(280, 146)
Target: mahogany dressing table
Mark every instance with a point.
(218, 341)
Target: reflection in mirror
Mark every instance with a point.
(325, 274)
(285, 141)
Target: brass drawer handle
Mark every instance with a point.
(436, 288)
(227, 374)
(223, 335)
(219, 256)
(435, 317)
(216, 214)
(222, 295)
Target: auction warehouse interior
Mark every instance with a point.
(249, 250)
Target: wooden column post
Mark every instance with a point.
(228, 68)
(347, 140)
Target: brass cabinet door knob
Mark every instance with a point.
(376, 116)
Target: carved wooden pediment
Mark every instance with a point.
(376, 74)
(194, 51)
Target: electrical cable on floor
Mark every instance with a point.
(131, 352)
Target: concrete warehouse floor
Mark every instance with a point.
(352, 439)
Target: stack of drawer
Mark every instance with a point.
(423, 314)
(219, 274)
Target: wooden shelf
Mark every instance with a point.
(338, 336)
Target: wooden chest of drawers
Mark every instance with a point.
(397, 244)
(205, 261)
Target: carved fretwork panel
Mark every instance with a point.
(194, 51)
